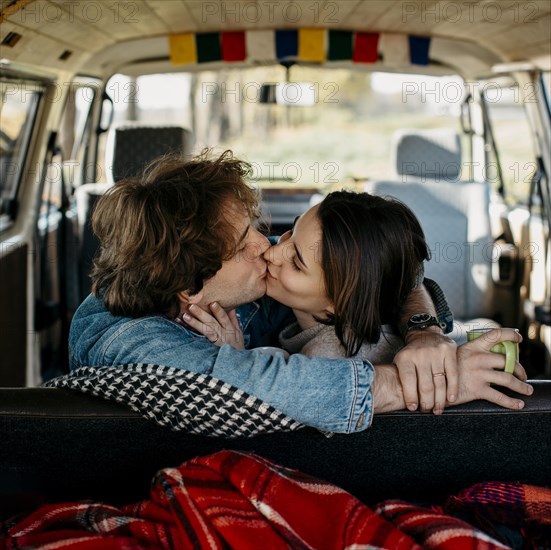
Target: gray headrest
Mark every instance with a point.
(428, 154)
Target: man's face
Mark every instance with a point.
(242, 278)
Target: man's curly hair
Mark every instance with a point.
(168, 231)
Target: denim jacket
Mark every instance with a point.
(330, 394)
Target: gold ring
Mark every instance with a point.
(439, 374)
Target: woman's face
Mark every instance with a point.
(295, 274)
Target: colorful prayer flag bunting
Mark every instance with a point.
(233, 46)
(261, 46)
(208, 47)
(311, 45)
(365, 47)
(182, 49)
(341, 45)
(419, 50)
(286, 44)
(395, 49)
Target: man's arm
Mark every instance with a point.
(330, 394)
(419, 301)
(428, 359)
(387, 390)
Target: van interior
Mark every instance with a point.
(443, 105)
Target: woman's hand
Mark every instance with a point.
(478, 371)
(220, 327)
(427, 366)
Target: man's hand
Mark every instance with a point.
(427, 367)
(220, 327)
(478, 371)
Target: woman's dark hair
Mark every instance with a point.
(168, 231)
(372, 251)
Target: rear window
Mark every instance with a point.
(337, 127)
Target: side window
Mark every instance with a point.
(157, 99)
(74, 135)
(546, 79)
(75, 131)
(513, 138)
(18, 106)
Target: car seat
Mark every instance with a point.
(455, 217)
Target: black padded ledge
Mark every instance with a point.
(58, 445)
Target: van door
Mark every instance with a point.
(21, 102)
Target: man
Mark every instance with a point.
(183, 236)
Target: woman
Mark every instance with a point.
(346, 269)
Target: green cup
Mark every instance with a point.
(507, 348)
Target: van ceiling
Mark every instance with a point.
(100, 38)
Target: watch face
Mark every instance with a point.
(420, 318)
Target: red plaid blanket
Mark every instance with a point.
(236, 500)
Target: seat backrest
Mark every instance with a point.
(454, 215)
(130, 147)
(86, 196)
(455, 220)
(427, 154)
(60, 445)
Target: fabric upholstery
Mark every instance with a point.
(86, 196)
(432, 154)
(131, 147)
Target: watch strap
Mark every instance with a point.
(420, 321)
